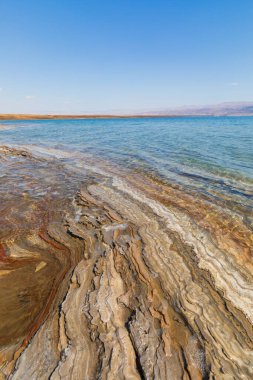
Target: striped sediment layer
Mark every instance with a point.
(109, 274)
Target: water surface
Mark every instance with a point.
(212, 154)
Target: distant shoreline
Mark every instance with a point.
(53, 117)
(63, 117)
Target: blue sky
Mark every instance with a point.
(80, 56)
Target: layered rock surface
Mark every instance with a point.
(126, 278)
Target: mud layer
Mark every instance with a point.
(106, 274)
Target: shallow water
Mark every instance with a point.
(212, 154)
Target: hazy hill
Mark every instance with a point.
(222, 109)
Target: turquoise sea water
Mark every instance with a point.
(210, 153)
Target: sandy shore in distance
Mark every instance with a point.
(53, 117)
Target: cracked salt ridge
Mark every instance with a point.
(244, 303)
(114, 227)
(183, 353)
(238, 355)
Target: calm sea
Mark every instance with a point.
(208, 153)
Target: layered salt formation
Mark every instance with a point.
(127, 278)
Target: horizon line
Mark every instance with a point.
(19, 116)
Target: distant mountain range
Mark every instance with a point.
(222, 109)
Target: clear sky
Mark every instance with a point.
(80, 56)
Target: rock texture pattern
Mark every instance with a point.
(126, 278)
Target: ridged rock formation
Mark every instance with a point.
(125, 278)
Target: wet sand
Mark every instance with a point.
(108, 273)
